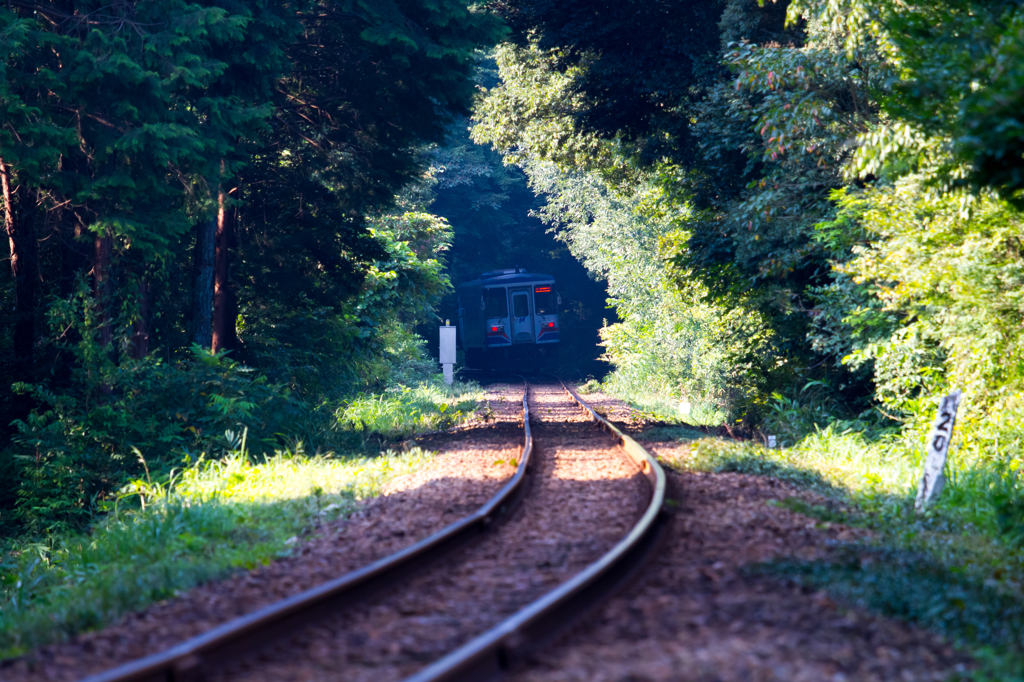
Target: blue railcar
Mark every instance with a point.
(507, 317)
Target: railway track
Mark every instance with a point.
(582, 511)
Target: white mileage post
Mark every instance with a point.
(447, 351)
(938, 445)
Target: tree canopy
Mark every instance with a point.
(771, 143)
(219, 174)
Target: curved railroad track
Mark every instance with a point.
(580, 513)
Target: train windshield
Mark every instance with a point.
(520, 307)
(495, 303)
(545, 301)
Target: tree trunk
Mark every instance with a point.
(19, 224)
(202, 282)
(140, 331)
(224, 304)
(74, 251)
(102, 286)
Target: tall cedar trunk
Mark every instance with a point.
(19, 224)
(74, 251)
(140, 331)
(202, 282)
(224, 304)
(102, 286)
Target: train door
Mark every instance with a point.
(522, 319)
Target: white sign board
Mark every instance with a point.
(938, 446)
(447, 353)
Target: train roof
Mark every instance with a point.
(508, 276)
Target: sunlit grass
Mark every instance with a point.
(656, 405)
(215, 517)
(844, 462)
(289, 477)
(983, 493)
(404, 410)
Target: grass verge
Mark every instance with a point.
(219, 516)
(214, 516)
(957, 569)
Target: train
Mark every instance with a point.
(508, 318)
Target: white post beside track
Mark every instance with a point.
(938, 445)
(447, 351)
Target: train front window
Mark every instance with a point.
(520, 305)
(495, 303)
(545, 301)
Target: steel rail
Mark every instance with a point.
(511, 641)
(232, 640)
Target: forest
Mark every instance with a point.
(233, 227)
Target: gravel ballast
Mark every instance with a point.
(694, 614)
(584, 497)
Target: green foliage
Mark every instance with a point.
(668, 341)
(128, 125)
(325, 171)
(218, 515)
(529, 114)
(949, 288)
(327, 351)
(926, 286)
(954, 109)
(636, 90)
(790, 112)
(899, 290)
(731, 207)
(409, 285)
(617, 219)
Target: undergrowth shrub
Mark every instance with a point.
(83, 445)
(791, 419)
